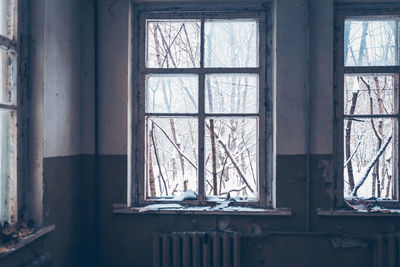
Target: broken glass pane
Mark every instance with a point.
(8, 73)
(370, 42)
(231, 93)
(168, 93)
(231, 157)
(173, 44)
(368, 157)
(231, 43)
(370, 94)
(171, 156)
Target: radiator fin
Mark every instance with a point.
(387, 250)
(196, 249)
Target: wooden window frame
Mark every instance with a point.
(15, 44)
(136, 113)
(367, 11)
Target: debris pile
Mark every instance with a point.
(11, 233)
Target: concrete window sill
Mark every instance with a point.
(24, 241)
(355, 213)
(197, 210)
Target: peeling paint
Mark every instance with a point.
(345, 242)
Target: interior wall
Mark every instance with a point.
(304, 64)
(68, 112)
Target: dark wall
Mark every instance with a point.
(269, 240)
(69, 205)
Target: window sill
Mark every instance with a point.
(206, 210)
(12, 247)
(357, 213)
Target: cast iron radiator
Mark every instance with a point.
(45, 260)
(387, 250)
(196, 249)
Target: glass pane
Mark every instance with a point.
(370, 43)
(6, 18)
(231, 93)
(8, 73)
(171, 93)
(173, 44)
(171, 156)
(370, 94)
(231, 43)
(7, 161)
(231, 157)
(363, 139)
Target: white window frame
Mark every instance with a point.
(136, 114)
(343, 12)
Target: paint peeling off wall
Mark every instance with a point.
(344, 242)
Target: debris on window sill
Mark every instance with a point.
(16, 236)
(223, 208)
(361, 207)
(187, 195)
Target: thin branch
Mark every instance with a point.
(352, 155)
(235, 164)
(157, 159)
(234, 190)
(370, 165)
(175, 145)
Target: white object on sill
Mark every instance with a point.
(187, 195)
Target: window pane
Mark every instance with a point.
(231, 157)
(171, 93)
(171, 156)
(363, 139)
(8, 72)
(6, 18)
(7, 161)
(173, 43)
(370, 43)
(231, 43)
(370, 94)
(231, 93)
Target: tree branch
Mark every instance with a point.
(175, 145)
(369, 167)
(228, 153)
(157, 159)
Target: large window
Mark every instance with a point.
(204, 114)
(8, 109)
(368, 93)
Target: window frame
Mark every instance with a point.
(137, 72)
(343, 12)
(14, 44)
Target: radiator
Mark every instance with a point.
(196, 249)
(387, 250)
(45, 260)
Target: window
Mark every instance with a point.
(204, 114)
(367, 93)
(8, 110)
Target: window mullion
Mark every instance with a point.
(201, 129)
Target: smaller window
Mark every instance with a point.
(368, 117)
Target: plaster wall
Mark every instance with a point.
(68, 116)
(68, 78)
